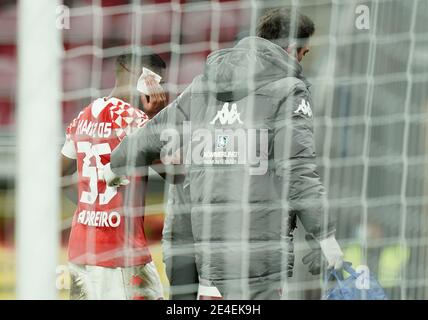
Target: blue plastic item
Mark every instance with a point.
(347, 289)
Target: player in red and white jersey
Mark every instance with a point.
(108, 253)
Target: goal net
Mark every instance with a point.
(368, 66)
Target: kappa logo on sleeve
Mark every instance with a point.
(304, 108)
(228, 116)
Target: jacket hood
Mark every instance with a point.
(252, 63)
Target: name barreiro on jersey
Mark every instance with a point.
(102, 234)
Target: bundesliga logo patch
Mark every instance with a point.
(222, 141)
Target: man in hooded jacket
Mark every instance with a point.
(244, 130)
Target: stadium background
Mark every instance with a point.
(370, 90)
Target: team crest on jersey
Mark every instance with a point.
(228, 116)
(304, 108)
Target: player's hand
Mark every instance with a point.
(332, 252)
(314, 258)
(156, 101)
(112, 179)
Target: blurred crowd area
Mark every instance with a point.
(371, 103)
(182, 35)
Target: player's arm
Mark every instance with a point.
(144, 145)
(68, 152)
(68, 166)
(152, 105)
(295, 163)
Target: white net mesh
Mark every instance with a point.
(370, 101)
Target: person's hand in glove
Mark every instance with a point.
(112, 179)
(314, 258)
(331, 250)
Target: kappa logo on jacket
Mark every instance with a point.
(228, 116)
(305, 108)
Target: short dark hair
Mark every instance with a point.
(275, 25)
(147, 58)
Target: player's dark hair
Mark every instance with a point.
(147, 58)
(284, 25)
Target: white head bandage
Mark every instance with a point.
(141, 84)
